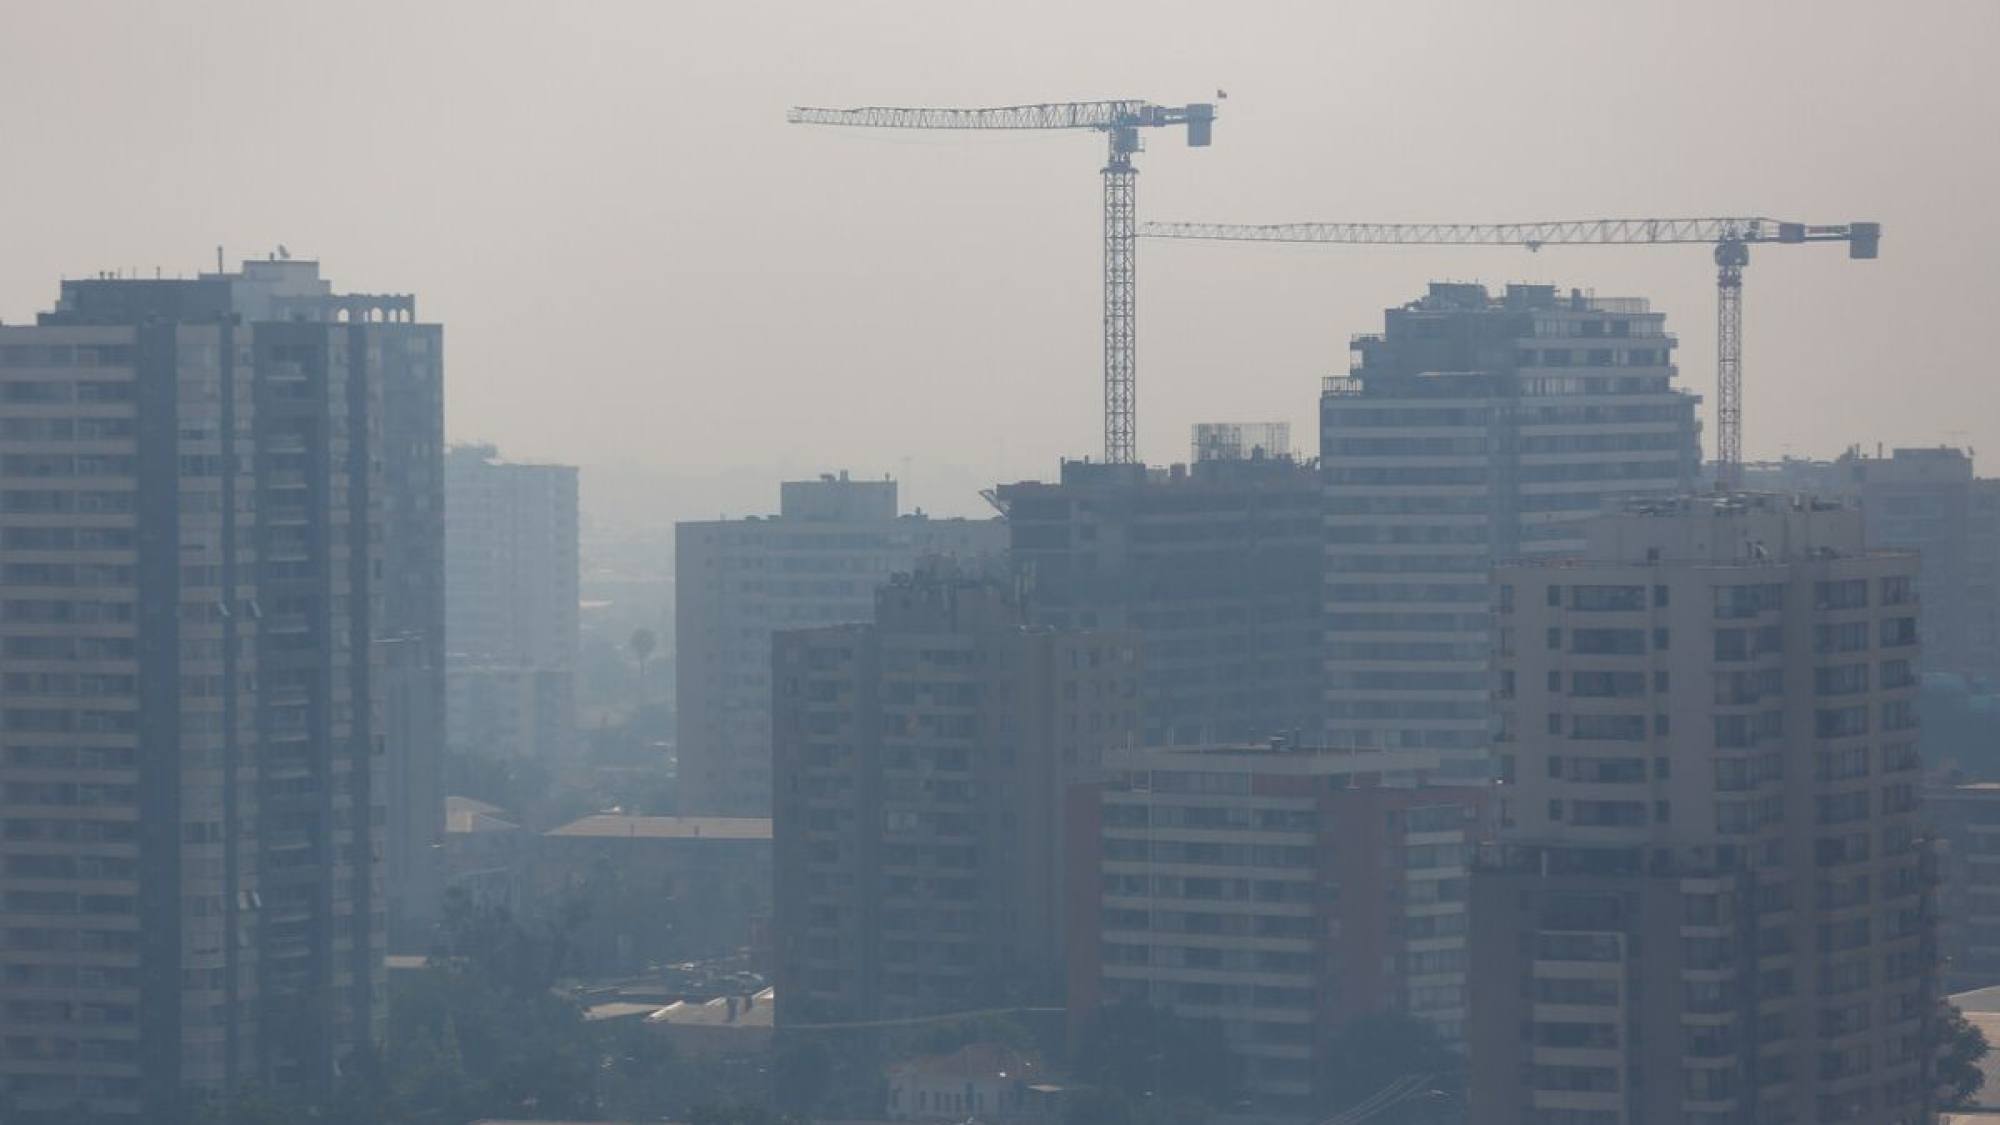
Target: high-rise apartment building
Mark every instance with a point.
(1710, 902)
(1214, 566)
(736, 582)
(917, 824)
(1926, 499)
(511, 608)
(1280, 891)
(194, 529)
(1475, 428)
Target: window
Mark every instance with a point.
(1896, 590)
(1591, 599)
(1615, 728)
(1607, 642)
(1840, 679)
(1849, 593)
(1840, 722)
(1748, 601)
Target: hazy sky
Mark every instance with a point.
(640, 266)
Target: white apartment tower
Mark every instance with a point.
(1475, 428)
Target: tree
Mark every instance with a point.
(1373, 1051)
(1959, 1076)
(643, 642)
(1145, 1052)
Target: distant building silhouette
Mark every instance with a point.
(511, 553)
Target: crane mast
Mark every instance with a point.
(1120, 121)
(1731, 237)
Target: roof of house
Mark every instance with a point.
(616, 826)
(463, 814)
(749, 1011)
(974, 1060)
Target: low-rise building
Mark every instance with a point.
(486, 856)
(977, 1082)
(659, 888)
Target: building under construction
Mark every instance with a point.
(1214, 566)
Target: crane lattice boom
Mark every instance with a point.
(1560, 232)
(1731, 237)
(1054, 115)
(1121, 122)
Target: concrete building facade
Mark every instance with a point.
(1966, 818)
(1281, 891)
(1930, 501)
(1711, 901)
(736, 582)
(917, 827)
(511, 549)
(192, 530)
(1214, 566)
(1475, 428)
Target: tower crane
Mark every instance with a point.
(1731, 237)
(1120, 121)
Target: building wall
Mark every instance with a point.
(917, 827)
(1216, 568)
(1475, 428)
(189, 534)
(1967, 819)
(1929, 501)
(1713, 710)
(1282, 893)
(818, 562)
(511, 542)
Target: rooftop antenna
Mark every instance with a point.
(218, 257)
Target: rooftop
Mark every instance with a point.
(974, 1060)
(755, 1010)
(463, 814)
(617, 826)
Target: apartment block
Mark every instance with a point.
(1281, 891)
(1214, 566)
(1928, 500)
(736, 582)
(1966, 820)
(1475, 428)
(194, 525)
(1711, 900)
(917, 824)
(511, 549)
